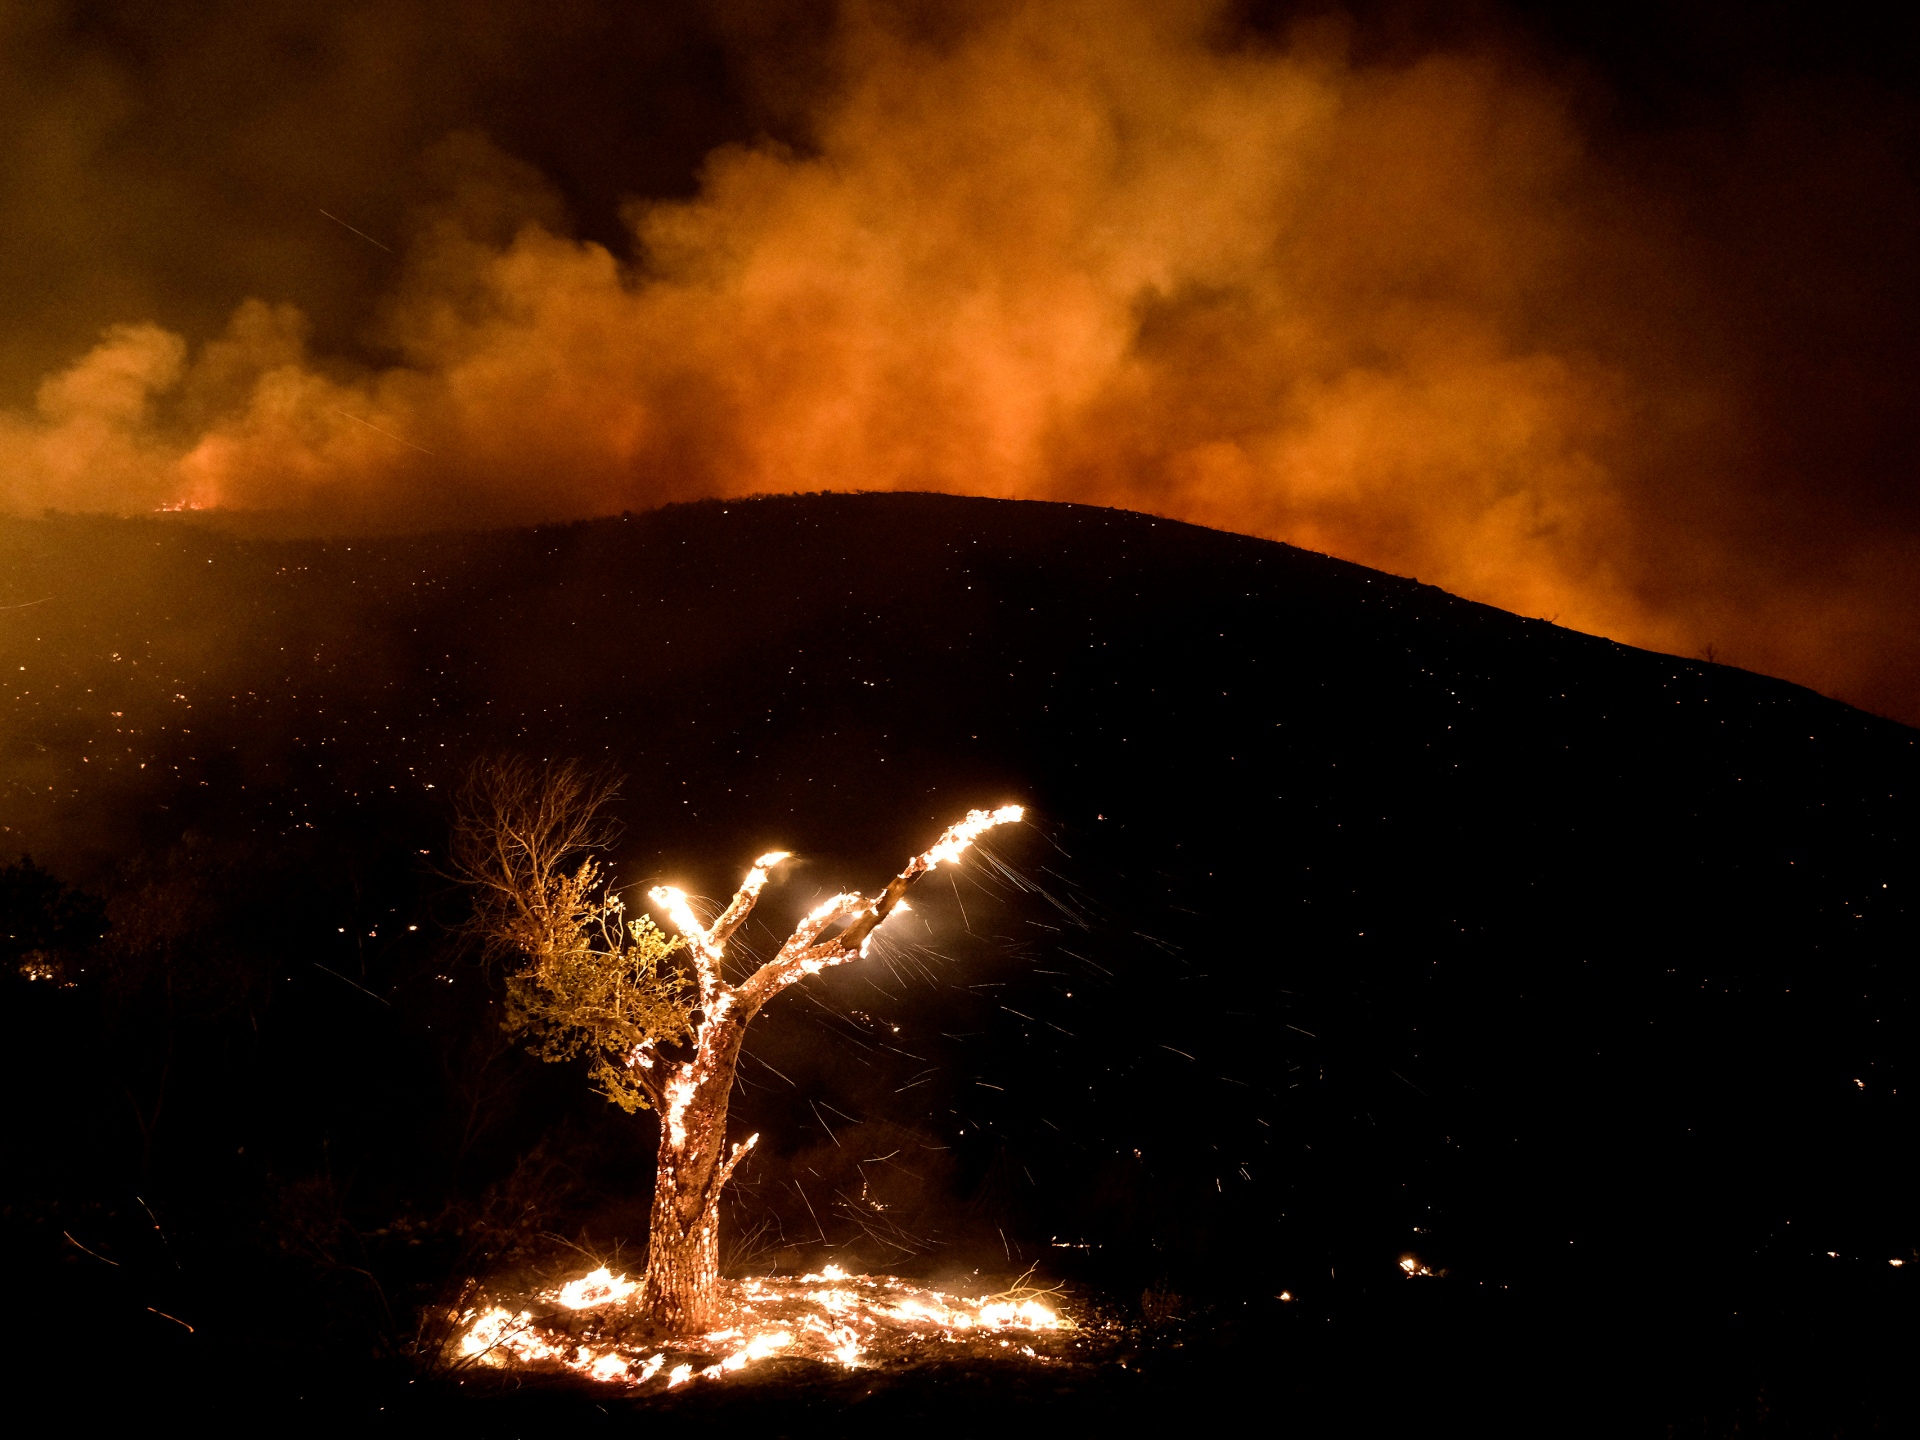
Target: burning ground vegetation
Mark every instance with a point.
(588, 1328)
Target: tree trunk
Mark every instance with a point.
(681, 1291)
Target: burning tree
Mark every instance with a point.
(657, 1019)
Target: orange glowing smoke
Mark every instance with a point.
(1079, 251)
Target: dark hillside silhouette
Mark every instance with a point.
(1354, 921)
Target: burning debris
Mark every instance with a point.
(594, 1328)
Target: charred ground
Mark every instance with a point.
(1356, 922)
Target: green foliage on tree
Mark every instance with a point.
(582, 981)
(603, 1002)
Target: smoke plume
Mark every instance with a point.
(1423, 308)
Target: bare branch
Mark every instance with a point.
(724, 1172)
(518, 826)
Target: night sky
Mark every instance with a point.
(1601, 313)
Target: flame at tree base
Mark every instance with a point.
(587, 1327)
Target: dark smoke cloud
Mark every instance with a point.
(1472, 301)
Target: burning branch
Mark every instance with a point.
(708, 943)
(805, 953)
